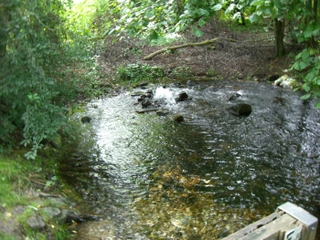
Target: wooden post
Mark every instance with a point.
(288, 222)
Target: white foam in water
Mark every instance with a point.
(164, 94)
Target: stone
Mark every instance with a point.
(146, 103)
(74, 217)
(51, 212)
(36, 223)
(62, 218)
(234, 97)
(58, 201)
(162, 112)
(241, 109)
(85, 119)
(178, 118)
(182, 97)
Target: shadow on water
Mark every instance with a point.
(152, 178)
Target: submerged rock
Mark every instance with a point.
(178, 118)
(241, 109)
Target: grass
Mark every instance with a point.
(13, 179)
(16, 182)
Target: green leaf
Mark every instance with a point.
(254, 18)
(154, 36)
(277, 4)
(316, 31)
(306, 96)
(306, 87)
(230, 8)
(310, 76)
(196, 31)
(217, 7)
(308, 33)
(203, 12)
(201, 22)
(295, 66)
(305, 55)
(257, 3)
(318, 105)
(303, 65)
(301, 39)
(149, 15)
(298, 56)
(266, 12)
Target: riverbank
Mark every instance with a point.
(35, 204)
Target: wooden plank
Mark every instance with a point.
(274, 230)
(253, 226)
(271, 227)
(288, 222)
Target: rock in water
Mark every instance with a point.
(178, 118)
(234, 97)
(182, 97)
(85, 119)
(241, 109)
(146, 103)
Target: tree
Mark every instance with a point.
(305, 14)
(36, 83)
(279, 26)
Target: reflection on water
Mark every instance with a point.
(206, 177)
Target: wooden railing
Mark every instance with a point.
(288, 222)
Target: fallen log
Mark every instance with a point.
(171, 48)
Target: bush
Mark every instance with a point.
(39, 72)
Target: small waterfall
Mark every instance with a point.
(165, 94)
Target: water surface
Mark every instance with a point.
(149, 177)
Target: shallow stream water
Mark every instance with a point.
(149, 177)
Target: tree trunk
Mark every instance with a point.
(279, 35)
(243, 21)
(313, 8)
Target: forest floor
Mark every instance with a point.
(249, 56)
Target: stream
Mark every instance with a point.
(149, 177)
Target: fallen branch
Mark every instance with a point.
(207, 42)
(146, 110)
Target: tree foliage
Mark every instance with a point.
(306, 29)
(36, 80)
(151, 19)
